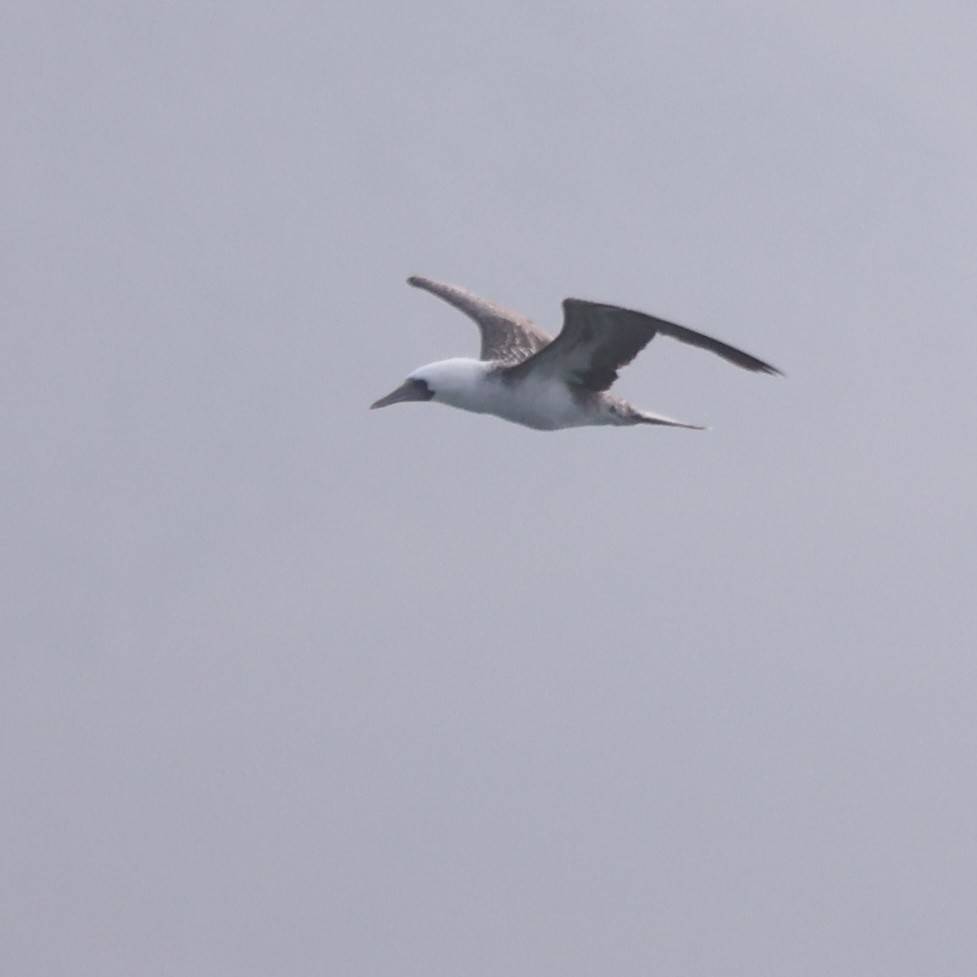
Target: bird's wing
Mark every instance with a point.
(506, 335)
(597, 340)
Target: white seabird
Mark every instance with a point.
(527, 377)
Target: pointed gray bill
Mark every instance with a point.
(409, 390)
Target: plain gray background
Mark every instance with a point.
(290, 687)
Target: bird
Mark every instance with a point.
(525, 376)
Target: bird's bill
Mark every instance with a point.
(409, 390)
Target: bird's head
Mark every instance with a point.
(445, 381)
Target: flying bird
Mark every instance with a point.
(526, 376)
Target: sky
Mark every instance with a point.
(289, 686)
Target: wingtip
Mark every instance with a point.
(758, 366)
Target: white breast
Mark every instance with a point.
(546, 405)
(541, 404)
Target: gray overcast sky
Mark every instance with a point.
(290, 687)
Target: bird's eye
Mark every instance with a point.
(423, 389)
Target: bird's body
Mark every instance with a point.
(526, 377)
(483, 387)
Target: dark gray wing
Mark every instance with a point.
(506, 335)
(597, 340)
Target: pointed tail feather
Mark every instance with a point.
(644, 417)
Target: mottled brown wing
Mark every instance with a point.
(506, 336)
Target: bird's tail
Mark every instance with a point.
(644, 417)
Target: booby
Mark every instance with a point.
(524, 375)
